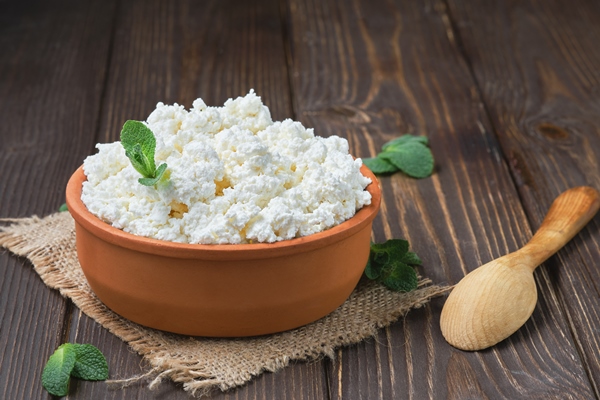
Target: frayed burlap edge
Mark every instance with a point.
(201, 364)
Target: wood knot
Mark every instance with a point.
(552, 131)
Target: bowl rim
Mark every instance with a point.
(245, 251)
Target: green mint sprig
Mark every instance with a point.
(408, 153)
(139, 144)
(63, 207)
(82, 361)
(390, 263)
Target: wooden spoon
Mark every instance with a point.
(493, 301)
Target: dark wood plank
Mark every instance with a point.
(176, 51)
(52, 65)
(370, 71)
(541, 84)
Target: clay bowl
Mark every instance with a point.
(222, 290)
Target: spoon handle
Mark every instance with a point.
(567, 215)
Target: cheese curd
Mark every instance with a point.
(234, 176)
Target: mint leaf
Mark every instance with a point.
(411, 258)
(373, 269)
(413, 158)
(90, 363)
(379, 166)
(161, 170)
(63, 207)
(394, 144)
(391, 249)
(389, 263)
(401, 278)
(153, 181)
(82, 361)
(57, 372)
(135, 132)
(396, 247)
(408, 153)
(140, 161)
(140, 144)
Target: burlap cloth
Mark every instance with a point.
(201, 364)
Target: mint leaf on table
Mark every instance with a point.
(140, 144)
(412, 158)
(90, 363)
(379, 165)
(408, 153)
(390, 250)
(82, 361)
(57, 372)
(402, 140)
(390, 263)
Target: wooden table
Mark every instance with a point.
(507, 91)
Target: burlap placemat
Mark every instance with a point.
(201, 364)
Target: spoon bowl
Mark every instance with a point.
(495, 300)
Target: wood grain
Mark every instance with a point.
(378, 69)
(540, 86)
(52, 65)
(177, 51)
(507, 92)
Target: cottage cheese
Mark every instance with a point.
(235, 176)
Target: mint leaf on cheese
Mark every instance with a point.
(137, 133)
(158, 175)
(140, 161)
(140, 144)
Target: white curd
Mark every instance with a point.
(234, 176)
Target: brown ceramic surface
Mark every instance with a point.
(222, 290)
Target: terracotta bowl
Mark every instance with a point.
(222, 290)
